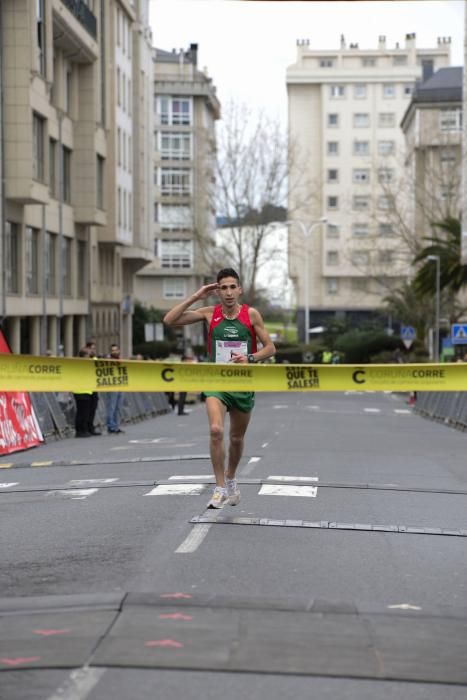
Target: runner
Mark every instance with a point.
(233, 330)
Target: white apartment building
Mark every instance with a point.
(347, 153)
(186, 109)
(69, 251)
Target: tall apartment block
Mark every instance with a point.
(347, 153)
(77, 83)
(186, 109)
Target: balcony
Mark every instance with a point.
(83, 14)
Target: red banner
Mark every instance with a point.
(19, 428)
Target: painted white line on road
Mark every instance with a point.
(293, 478)
(372, 410)
(79, 684)
(403, 410)
(275, 490)
(248, 468)
(177, 490)
(265, 444)
(77, 494)
(253, 459)
(194, 539)
(92, 481)
(189, 477)
(281, 405)
(6, 486)
(313, 408)
(149, 441)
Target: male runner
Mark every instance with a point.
(233, 330)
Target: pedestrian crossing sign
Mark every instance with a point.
(459, 333)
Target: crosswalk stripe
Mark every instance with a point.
(288, 490)
(177, 490)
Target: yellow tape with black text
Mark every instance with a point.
(35, 373)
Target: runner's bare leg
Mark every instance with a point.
(238, 425)
(216, 415)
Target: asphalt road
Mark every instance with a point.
(341, 574)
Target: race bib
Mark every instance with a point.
(227, 349)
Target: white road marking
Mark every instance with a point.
(372, 410)
(92, 481)
(313, 408)
(248, 468)
(194, 539)
(265, 444)
(293, 478)
(402, 410)
(7, 485)
(404, 606)
(280, 405)
(76, 494)
(177, 490)
(189, 477)
(79, 684)
(275, 490)
(253, 459)
(149, 441)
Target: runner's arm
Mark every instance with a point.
(181, 315)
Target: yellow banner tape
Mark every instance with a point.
(32, 373)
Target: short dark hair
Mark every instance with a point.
(227, 272)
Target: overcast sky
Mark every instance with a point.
(247, 46)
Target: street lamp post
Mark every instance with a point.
(306, 231)
(437, 259)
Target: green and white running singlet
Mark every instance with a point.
(227, 337)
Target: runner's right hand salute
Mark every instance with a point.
(206, 290)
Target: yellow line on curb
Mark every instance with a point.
(6, 466)
(41, 464)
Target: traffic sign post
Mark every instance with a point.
(408, 335)
(459, 333)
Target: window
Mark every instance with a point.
(361, 148)
(332, 285)
(40, 26)
(448, 155)
(175, 181)
(384, 202)
(389, 91)
(333, 175)
(175, 146)
(359, 91)
(119, 206)
(332, 231)
(361, 175)
(50, 263)
(386, 256)
(175, 110)
(336, 91)
(32, 260)
(359, 284)
(361, 119)
(66, 174)
(385, 175)
(66, 265)
(119, 90)
(360, 229)
(450, 119)
(368, 62)
(38, 133)
(360, 257)
(53, 183)
(174, 288)
(386, 148)
(333, 148)
(11, 257)
(385, 229)
(448, 192)
(333, 120)
(326, 63)
(386, 119)
(333, 202)
(408, 90)
(332, 257)
(83, 267)
(399, 60)
(100, 165)
(176, 254)
(68, 89)
(175, 216)
(360, 203)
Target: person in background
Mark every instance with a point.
(91, 349)
(113, 399)
(83, 401)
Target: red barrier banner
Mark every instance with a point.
(19, 428)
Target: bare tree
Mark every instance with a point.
(252, 165)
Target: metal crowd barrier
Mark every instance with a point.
(448, 407)
(55, 412)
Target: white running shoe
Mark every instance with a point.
(233, 492)
(218, 499)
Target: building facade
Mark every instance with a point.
(432, 126)
(186, 109)
(345, 109)
(69, 243)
